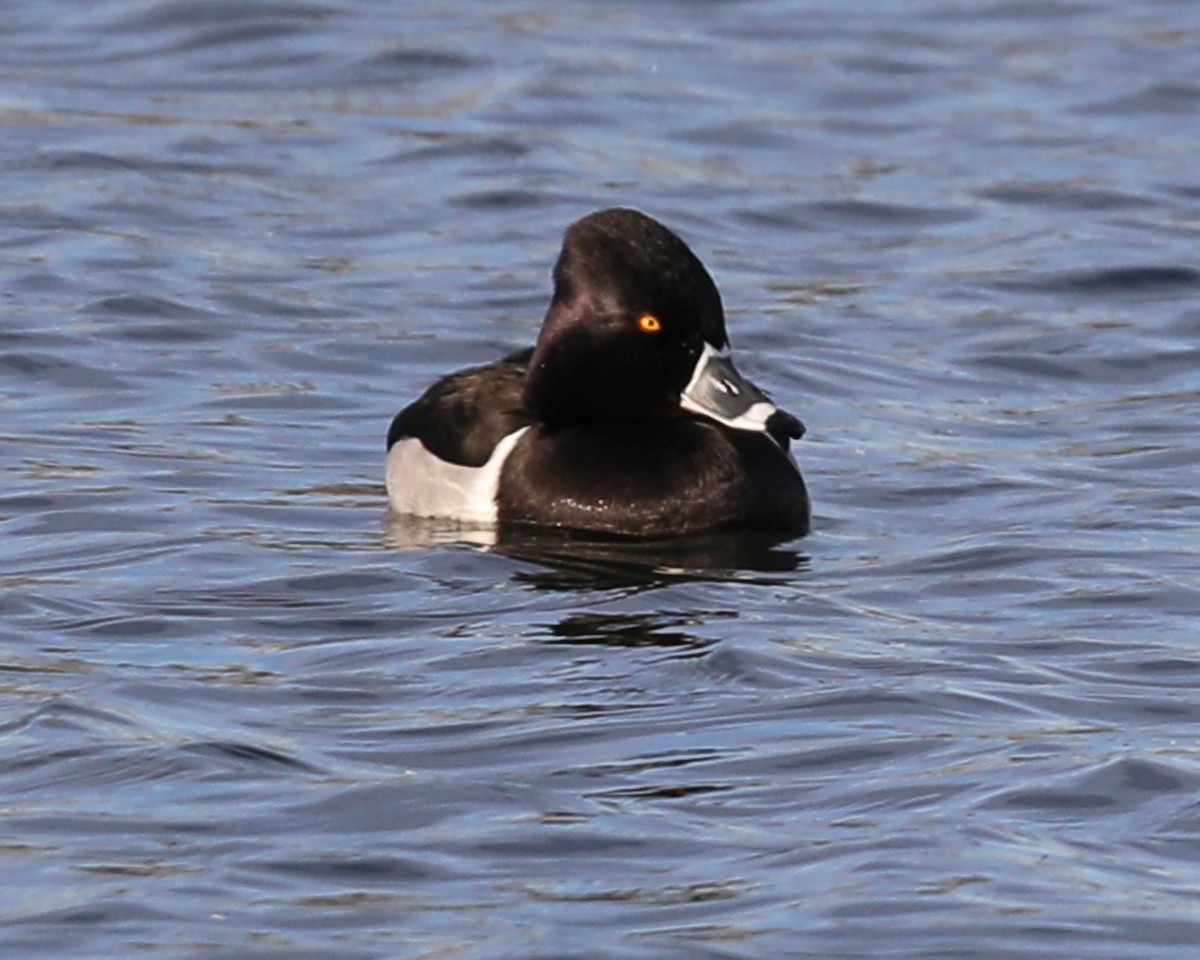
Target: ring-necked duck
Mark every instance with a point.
(627, 418)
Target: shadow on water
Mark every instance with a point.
(626, 630)
(565, 560)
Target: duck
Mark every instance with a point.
(627, 417)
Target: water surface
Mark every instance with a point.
(247, 714)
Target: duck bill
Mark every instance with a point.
(717, 391)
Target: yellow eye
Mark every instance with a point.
(649, 323)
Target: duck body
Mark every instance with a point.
(626, 419)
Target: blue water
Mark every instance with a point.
(246, 714)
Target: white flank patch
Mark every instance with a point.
(420, 484)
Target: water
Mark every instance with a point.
(245, 714)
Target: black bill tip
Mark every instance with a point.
(782, 424)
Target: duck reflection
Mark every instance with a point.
(565, 560)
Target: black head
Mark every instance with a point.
(631, 312)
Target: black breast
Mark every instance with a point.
(661, 479)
